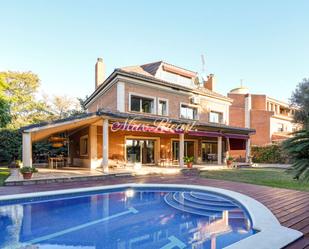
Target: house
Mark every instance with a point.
(272, 119)
(151, 114)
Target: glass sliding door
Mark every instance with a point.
(140, 151)
(209, 152)
(188, 149)
(133, 151)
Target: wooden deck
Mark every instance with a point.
(289, 206)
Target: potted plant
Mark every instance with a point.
(229, 161)
(189, 161)
(27, 171)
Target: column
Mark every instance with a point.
(181, 149)
(27, 149)
(248, 150)
(93, 146)
(227, 148)
(105, 146)
(219, 150)
(248, 111)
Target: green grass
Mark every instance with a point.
(267, 177)
(4, 173)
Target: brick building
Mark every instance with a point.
(272, 119)
(152, 114)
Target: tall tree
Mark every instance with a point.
(298, 146)
(5, 114)
(300, 99)
(20, 88)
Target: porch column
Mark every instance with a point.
(93, 146)
(181, 149)
(105, 146)
(219, 152)
(227, 148)
(27, 149)
(248, 150)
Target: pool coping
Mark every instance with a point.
(271, 233)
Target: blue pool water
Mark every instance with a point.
(140, 218)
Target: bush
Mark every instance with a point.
(269, 154)
(10, 145)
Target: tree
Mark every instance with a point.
(298, 146)
(64, 106)
(10, 145)
(5, 115)
(21, 90)
(300, 99)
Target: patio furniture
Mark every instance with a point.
(165, 162)
(57, 161)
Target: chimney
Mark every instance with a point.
(210, 82)
(99, 72)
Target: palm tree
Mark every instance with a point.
(298, 149)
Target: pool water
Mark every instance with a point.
(125, 219)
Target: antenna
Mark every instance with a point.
(203, 63)
(241, 82)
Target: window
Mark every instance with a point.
(215, 117)
(188, 112)
(83, 146)
(141, 104)
(280, 127)
(162, 107)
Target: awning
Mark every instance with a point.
(205, 133)
(236, 136)
(237, 144)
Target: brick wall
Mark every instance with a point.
(260, 121)
(108, 101)
(237, 110)
(174, 99)
(258, 102)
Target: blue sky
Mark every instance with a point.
(266, 43)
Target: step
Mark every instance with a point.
(191, 198)
(209, 197)
(172, 199)
(171, 202)
(211, 207)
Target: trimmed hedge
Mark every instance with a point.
(269, 154)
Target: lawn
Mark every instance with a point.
(268, 177)
(4, 173)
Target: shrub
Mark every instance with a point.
(10, 145)
(269, 154)
(27, 169)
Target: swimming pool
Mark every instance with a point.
(127, 216)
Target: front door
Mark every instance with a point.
(140, 151)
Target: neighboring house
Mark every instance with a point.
(151, 94)
(272, 119)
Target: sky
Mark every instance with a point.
(265, 43)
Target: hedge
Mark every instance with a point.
(11, 147)
(269, 154)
